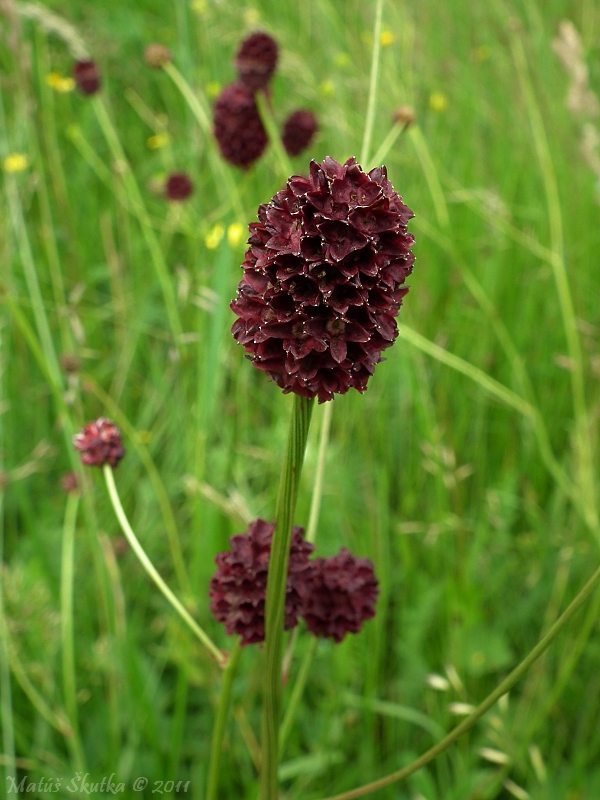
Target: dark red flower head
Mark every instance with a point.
(178, 186)
(238, 127)
(99, 443)
(239, 586)
(256, 60)
(69, 483)
(86, 76)
(338, 595)
(323, 279)
(298, 131)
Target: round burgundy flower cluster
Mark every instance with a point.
(238, 128)
(323, 279)
(99, 443)
(178, 187)
(86, 76)
(334, 595)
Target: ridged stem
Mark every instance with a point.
(276, 592)
(297, 691)
(137, 548)
(216, 743)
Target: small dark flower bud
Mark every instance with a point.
(256, 60)
(238, 588)
(298, 131)
(157, 55)
(338, 595)
(86, 76)
(178, 186)
(69, 483)
(69, 363)
(99, 443)
(405, 115)
(238, 127)
(323, 279)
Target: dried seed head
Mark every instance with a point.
(298, 131)
(256, 60)
(405, 115)
(238, 588)
(99, 443)
(86, 76)
(323, 278)
(238, 127)
(178, 186)
(157, 55)
(69, 363)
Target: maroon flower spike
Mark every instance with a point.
(239, 586)
(323, 279)
(238, 127)
(338, 595)
(178, 186)
(86, 76)
(256, 60)
(99, 443)
(298, 131)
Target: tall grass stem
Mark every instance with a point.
(372, 101)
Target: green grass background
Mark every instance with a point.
(443, 485)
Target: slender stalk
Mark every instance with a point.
(268, 121)
(220, 720)
(276, 591)
(484, 706)
(370, 118)
(296, 696)
(315, 503)
(137, 548)
(6, 707)
(387, 144)
(66, 626)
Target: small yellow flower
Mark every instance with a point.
(158, 140)
(213, 88)
(214, 236)
(251, 16)
(342, 60)
(199, 7)
(15, 162)
(60, 83)
(327, 88)
(235, 232)
(438, 101)
(386, 38)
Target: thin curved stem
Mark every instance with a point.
(315, 503)
(137, 548)
(484, 706)
(370, 117)
(268, 121)
(297, 691)
(384, 148)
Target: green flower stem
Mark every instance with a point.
(220, 720)
(268, 121)
(66, 626)
(140, 211)
(315, 503)
(276, 591)
(387, 144)
(292, 707)
(371, 105)
(489, 701)
(137, 548)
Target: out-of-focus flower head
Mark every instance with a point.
(15, 162)
(256, 60)
(404, 115)
(238, 588)
(156, 55)
(86, 76)
(323, 279)
(69, 483)
(298, 131)
(99, 443)
(338, 594)
(238, 127)
(178, 186)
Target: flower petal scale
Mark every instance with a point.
(323, 279)
(239, 586)
(99, 443)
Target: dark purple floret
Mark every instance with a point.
(238, 588)
(178, 186)
(238, 127)
(323, 279)
(298, 131)
(86, 76)
(99, 443)
(338, 595)
(256, 60)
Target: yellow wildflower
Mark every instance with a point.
(158, 140)
(15, 162)
(213, 88)
(60, 83)
(438, 101)
(386, 38)
(199, 6)
(342, 59)
(235, 232)
(327, 88)
(214, 236)
(251, 16)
